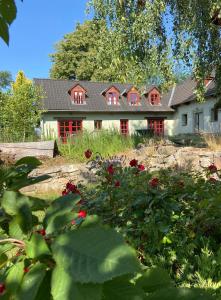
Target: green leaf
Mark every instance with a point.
(14, 278)
(24, 217)
(4, 34)
(37, 246)
(14, 229)
(44, 292)
(31, 282)
(8, 10)
(122, 289)
(9, 202)
(30, 161)
(154, 279)
(94, 255)
(180, 294)
(64, 288)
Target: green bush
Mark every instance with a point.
(55, 250)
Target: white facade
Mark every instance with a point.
(191, 117)
(198, 118)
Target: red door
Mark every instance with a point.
(68, 128)
(157, 125)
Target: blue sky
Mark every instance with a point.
(38, 26)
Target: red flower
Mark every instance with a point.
(154, 182)
(64, 192)
(26, 270)
(72, 188)
(212, 180)
(42, 232)
(2, 288)
(88, 153)
(110, 170)
(117, 184)
(133, 163)
(212, 168)
(82, 214)
(141, 167)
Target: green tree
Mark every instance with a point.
(22, 107)
(5, 79)
(155, 32)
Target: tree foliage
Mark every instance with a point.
(5, 79)
(152, 31)
(21, 107)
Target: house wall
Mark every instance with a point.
(109, 121)
(175, 124)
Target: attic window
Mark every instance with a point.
(77, 94)
(112, 98)
(154, 99)
(133, 98)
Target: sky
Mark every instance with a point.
(39, 25)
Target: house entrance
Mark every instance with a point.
(156, 125)
(198, 122)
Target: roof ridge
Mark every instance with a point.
(88, 81)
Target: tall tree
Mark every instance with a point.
(5, 79)
(22, 109)
(146, 29)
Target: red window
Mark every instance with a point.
(157, 126)
(112, 98)
(124, 129)
(154, 99)
(78, 97)
(98, 124)
(133, 98)
(68, 128)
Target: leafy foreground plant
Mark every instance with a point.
(56, 251)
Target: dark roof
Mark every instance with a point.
(184, 92)
(58, 99)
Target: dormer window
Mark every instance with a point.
(133, 98)
(154, 99)
(112, 98)
(77, 94)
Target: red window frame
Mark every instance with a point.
(157, 125)
(154, 99)
(67, 128)
(110, 98)
(124, 127)
(78, 97)
(97, 124)
(131, 101)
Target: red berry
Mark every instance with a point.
(41, 231)
(133, 163)
(88, 153)
(26, 270)
(154, 182)
(2, 288)
(82, 214)
(117, 183)
(141, 167)
(73, 222)
(212, 168)
(110, 170)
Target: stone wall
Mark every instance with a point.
(153, 157)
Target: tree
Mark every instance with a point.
(75, 55)
(5, 79)
(22, 107)
(153, 31)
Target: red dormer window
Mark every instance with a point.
(154, 97)
(77, 94)
(112, 98)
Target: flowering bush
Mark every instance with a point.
(60, 250)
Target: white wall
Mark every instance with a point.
(175, 124)
(109, 121)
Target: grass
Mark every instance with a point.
(106, 142)
(213, 141)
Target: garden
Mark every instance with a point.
(134, 235)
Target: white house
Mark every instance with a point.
(72, 106)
